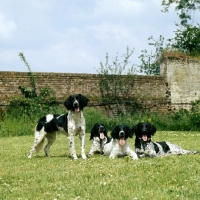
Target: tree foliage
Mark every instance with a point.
(185, 8)
(187, 40)
(187, 35)
(151, 61)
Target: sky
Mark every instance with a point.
(74, 36)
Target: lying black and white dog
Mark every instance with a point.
(100, 138)
(70, 124)
(144, 146)
(118, 146)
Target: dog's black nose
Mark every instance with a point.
(101, 128)
(121, 134)
(75, 104)
(144, 129)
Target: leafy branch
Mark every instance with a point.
(24, 90)
(116, 83)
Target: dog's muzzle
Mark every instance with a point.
(121, 138)
(101, 132)
(101, 129)
(144, 138)
(76, 106)
(121, 134)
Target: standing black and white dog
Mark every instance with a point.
(100, 138)
(70, 124)
(118, 146)
(144, 146)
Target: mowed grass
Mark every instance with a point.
(98, 177)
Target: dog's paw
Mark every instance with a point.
(194, 152)
(75, 157)
(29, 155)
(142, 155)
(84, 156)
(147, 152)
(112, 157)
(47, 154)
(134, 157)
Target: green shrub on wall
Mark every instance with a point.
(32, 103)
(195, 113)
(116, 85)
(42, 104)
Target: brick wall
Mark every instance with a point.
(149, 89)
(176, 87)
(63, 84)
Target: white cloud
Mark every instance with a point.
(73, 36)
(110, 31)
(118, 8)
(7, 28)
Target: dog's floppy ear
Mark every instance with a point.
(130, 132)
(106, 133)
(83, 100)
(135, 129)
(92, 132)
(114, 132)
(152, 129)
(68, 103)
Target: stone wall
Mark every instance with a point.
(183, 78)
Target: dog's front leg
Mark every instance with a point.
(112, 155)
(114, 152)
(82, 141)
(72, 146)
(131, 153)
(94, 148)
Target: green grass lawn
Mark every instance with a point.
(98, 177)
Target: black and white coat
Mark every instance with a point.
(99, 138)
(118, 146)
(144, 146)
(70, 124)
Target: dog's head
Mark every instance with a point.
(121, 132)
(144, 131)
(98, 130)
(76, 102)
